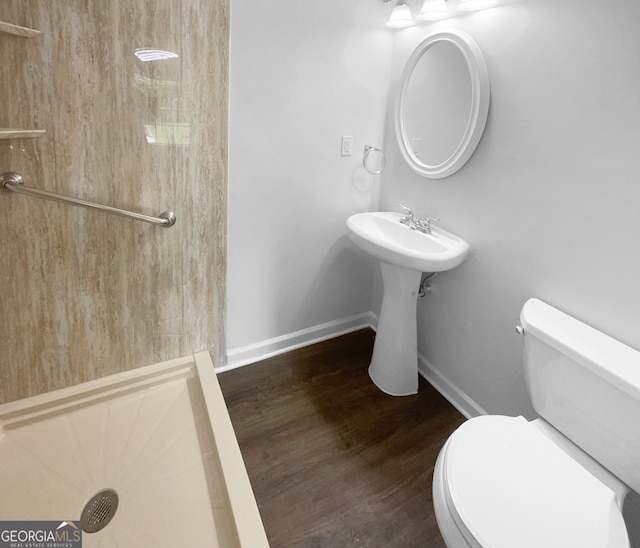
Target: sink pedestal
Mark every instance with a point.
(394, 365)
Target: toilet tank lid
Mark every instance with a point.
(605, 356)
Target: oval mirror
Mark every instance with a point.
(442, 103)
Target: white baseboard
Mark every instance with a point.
(459, 399)
(244, 355)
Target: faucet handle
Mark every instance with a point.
(424, 225)
(429, 220)
(409, 212)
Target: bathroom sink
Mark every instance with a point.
(404, 254)
(382, 235)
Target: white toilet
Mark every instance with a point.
(560, 480)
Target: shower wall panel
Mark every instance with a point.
(85, 294)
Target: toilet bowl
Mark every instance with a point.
(559, 480)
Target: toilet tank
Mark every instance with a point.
(585, 384)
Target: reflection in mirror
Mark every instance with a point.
(437, 103)
(442, 104)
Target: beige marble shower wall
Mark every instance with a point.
(85, 294)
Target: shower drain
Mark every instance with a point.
(99, 510)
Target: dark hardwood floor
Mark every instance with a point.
(333, 461)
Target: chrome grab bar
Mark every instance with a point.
(14, 182)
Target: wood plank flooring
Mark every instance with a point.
(333, 461)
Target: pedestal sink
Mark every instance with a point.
(404, 253)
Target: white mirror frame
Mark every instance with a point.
(480, 96)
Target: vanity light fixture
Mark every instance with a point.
(433, 10)
(470, 5)
(400, 17)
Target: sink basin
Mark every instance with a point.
(382, 235)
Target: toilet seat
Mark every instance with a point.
(506, 484)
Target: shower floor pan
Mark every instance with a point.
(159, 436)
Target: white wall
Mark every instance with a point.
(549, 201)
(302, 74)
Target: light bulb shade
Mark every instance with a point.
(432, 10)
(470, 5)
(400, 16)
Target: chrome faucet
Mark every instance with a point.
(416, 223)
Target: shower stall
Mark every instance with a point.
(122, 104)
